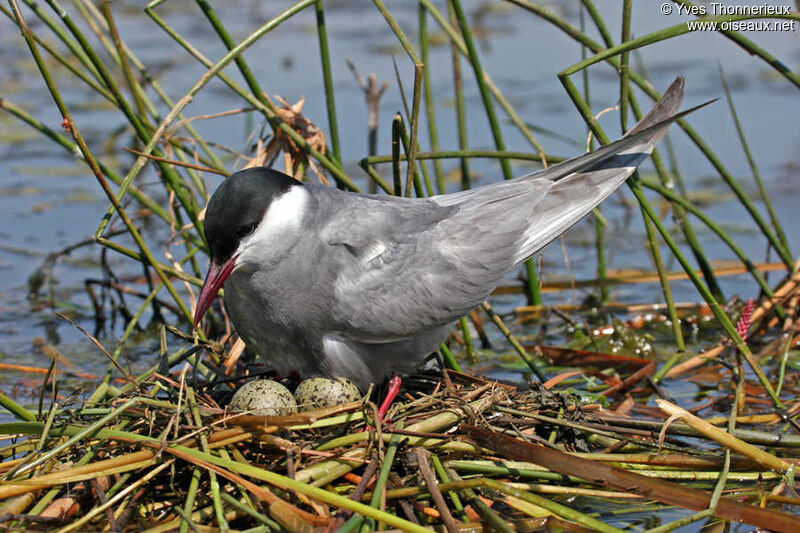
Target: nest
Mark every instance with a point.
(458, 453)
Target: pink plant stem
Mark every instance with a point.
(743, 325)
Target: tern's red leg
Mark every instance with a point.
(391, 394)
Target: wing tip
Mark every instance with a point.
(666, 106)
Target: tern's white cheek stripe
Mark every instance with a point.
(284, 213)
(281, 222)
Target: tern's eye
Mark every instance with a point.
(244, 231)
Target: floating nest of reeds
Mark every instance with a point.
(455, 453)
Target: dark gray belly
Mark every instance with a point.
(291, 331)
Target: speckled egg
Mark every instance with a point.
(314, 393)
(264, 397)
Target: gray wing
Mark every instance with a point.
(576, 186)
(395, 274)
(412, 265)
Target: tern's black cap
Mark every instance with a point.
(238, 205)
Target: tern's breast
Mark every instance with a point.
(261, 320)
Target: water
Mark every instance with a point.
(48, 202)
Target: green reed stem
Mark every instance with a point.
(69, 65)
(413, 175)
(664, 280)
(83, 433)
(327, 79)
(469, 496)
(732, 183)
(215, 70)
(72, 148)
(415, 180)
(263, 519)
(397, 124)
(419, 68)
(121, 54)
(681, 29)
(230, 44)
(521, 351)
(470, 348)
(555, 508)
(599, 221)
(453, 495)
(477, 68)
(717, 229)
(683, 221)
(719, 313)
(655, 251)
(213, 160)
(91, 161)
(449, 359)
(64, 37)
(681, 522)
(532, 289)
(174, 182)
(451, 154)
(605, 55)
(460, 46)
(461, 113)
(754, 50)
(624, 88)
(367, 162)
(383, 477)
(715, 306)
(123, 58)
(782, 364)
(44, 500)
(131, 325)
(16, 409)
(776, 224)
(210, 159)
(598, 22)
(133, 85)
(375, 177)
(213, 481)
(430, 108)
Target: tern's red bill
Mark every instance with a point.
(217, 274)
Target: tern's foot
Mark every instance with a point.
(391, 394)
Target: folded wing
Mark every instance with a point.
(426, 262)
